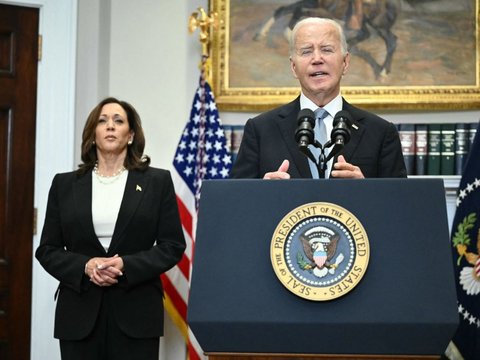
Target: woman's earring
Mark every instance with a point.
(130, 142)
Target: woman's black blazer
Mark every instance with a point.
(148, 236)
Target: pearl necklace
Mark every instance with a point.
(107, 179)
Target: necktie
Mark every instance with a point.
(320, 128)
(320, 131)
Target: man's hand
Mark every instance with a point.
(343, 169)
(280, 174)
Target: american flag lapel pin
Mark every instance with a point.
(138, 188)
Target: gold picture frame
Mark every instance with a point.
(435, 65)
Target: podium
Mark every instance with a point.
(404, 307)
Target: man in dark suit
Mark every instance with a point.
(319, 58)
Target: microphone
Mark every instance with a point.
(340, 134)
(304, 134)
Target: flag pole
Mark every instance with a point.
(204, 22)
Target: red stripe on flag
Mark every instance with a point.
(184, 266)
(185, 216)
(172, 292)
(192, 352)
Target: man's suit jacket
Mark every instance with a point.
(269, 138)
(148, 236)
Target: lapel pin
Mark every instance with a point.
(138, 188)
(355, 126)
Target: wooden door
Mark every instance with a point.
(18, 91)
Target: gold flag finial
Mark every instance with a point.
(203, 21)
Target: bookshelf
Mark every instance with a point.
(438, 149)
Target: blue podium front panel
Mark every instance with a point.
(404, 304)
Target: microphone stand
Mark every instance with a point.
(322, 161)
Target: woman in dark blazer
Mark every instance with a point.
(111, 228)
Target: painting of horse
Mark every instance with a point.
(400, 42)
(379, 16)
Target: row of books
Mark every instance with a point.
(428, 149)
(436, 149)
(233, 136)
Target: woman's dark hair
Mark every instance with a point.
(135, 158)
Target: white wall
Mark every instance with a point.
(139, 51)
(148, 59)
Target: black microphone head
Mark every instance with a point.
(342, 115)
(306, 115)
(304, 134)
(341, 127)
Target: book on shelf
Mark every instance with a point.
(406, 133)
(433, 149)
(461, 146)
(447, 149)
(473, 127)
(237, 134)
(421, 143)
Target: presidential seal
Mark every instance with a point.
(320, 251)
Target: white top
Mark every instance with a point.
(107, 195)
(332, 108)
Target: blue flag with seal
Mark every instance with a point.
(466, 256)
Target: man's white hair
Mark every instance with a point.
(319, 21)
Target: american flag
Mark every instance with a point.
(465, 235)
(201, 154)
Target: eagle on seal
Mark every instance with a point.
(320, 245)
